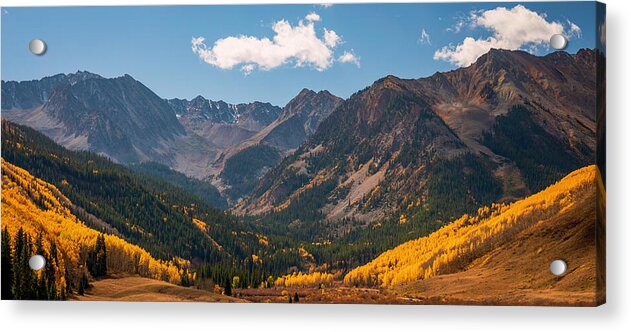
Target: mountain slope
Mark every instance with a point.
(107, 197)
(41, 211)
(557, 91)
(244, 164)
(119, 118)
(300, 118)
(476, 257)
(201, 189)
(163, 219)
(400, 147)
(223, 124)
(377, 140)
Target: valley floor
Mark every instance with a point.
(334, 294)
(134, 288)
(449, 289)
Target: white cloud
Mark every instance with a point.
(349, 57)
(461, 22)
(299, 45)
(331, 38)
(326, 5)
(248, 69)
(512, 29)
(424, 38)
(574, 30)
(313, 17)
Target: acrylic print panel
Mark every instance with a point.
(369, 153)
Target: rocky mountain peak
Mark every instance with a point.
(29, 94)
(201, 111)
(305, 93)
(309, 102)
(82, 75)
(587, 55)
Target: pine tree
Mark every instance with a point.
(7, 265)
(68, 286)
(41, 291)
(83, 284)
(80, 290)
(184, 279)
(63, 295)
(101, 258)
(227, 288)
(18, 278)
(97, 258)
(49, 273)
(23, 276)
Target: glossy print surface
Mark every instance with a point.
(435, 153)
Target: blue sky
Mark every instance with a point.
(155, 44)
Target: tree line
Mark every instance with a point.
(54, 281)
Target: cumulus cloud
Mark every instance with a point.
(349, 57)
(313, 17)
(424, 38)
(331, 38)
(298, 44)
(511, 29)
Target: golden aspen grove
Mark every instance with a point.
(454, 246)
(39, 208)
(304, 279)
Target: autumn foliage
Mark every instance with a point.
(40, 209)
(304, 280)
(455, 245)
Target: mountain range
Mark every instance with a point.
(122, 119)
(507, 126)
(399, 146)
(221, 123)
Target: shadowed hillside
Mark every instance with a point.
(38, 216)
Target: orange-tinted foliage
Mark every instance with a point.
(304, 280)
(455, 245)
(40, 208)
